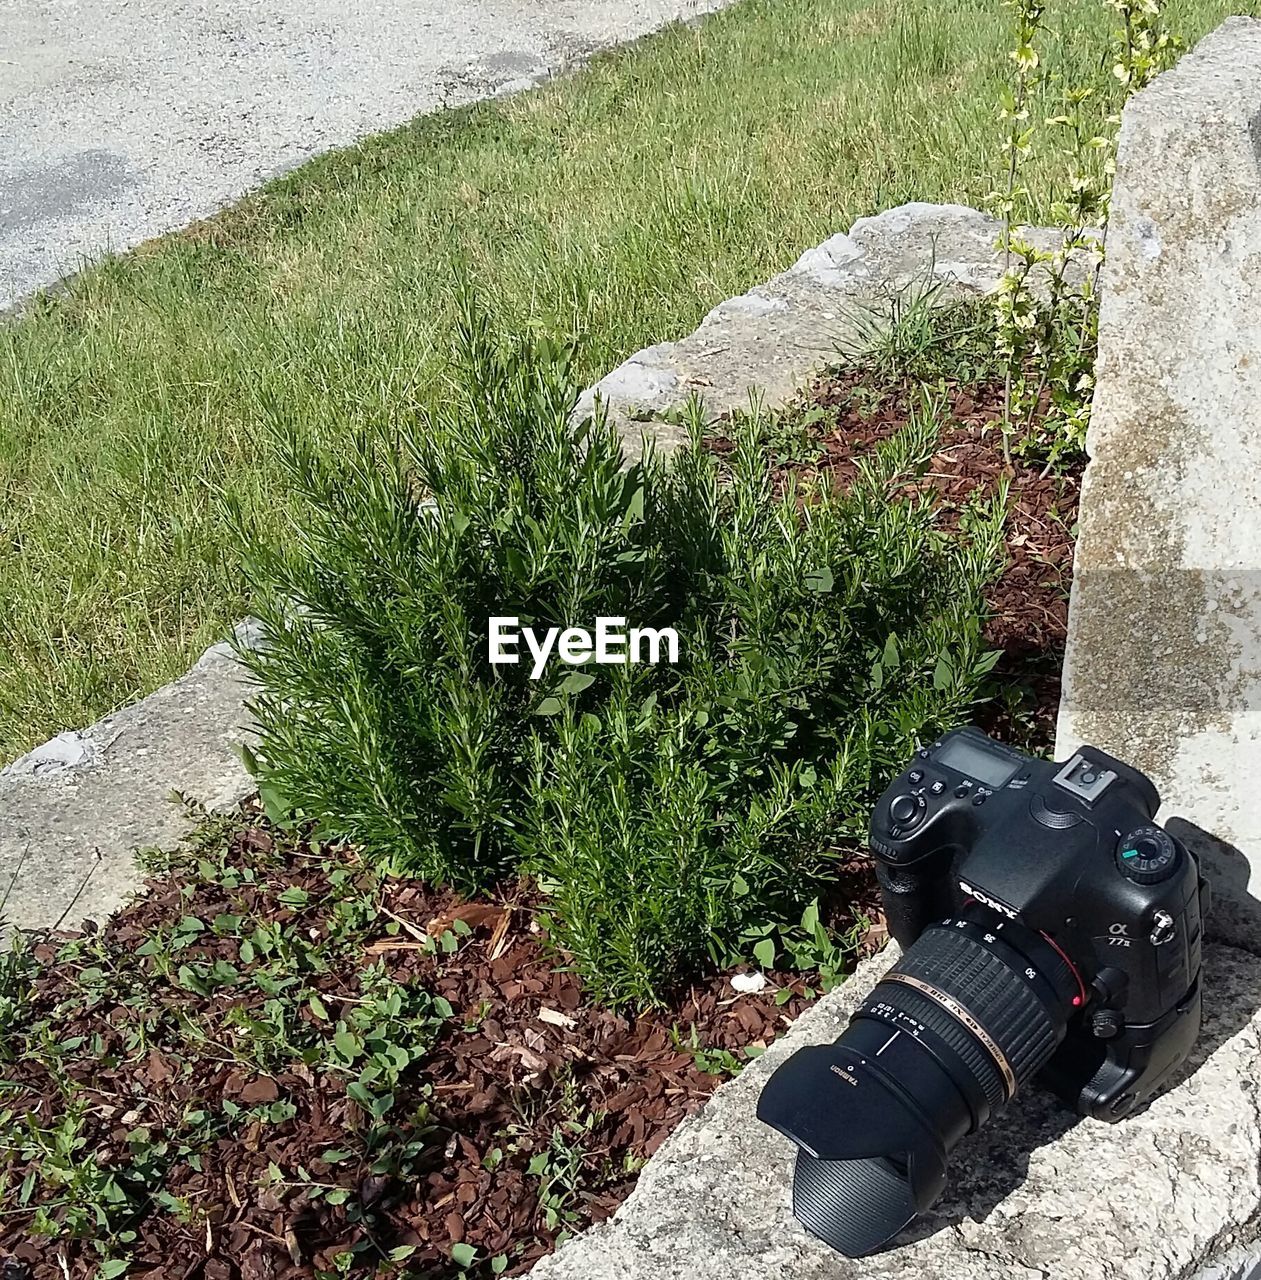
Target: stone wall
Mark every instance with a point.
(1164, 653)
(767, 342)
(74, 810)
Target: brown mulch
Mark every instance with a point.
(523, 1053)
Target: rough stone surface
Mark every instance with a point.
(73, 811)
(1243, 1263)
(767, 342)
(1164, 652)
(123, 119)
(1039, 1194)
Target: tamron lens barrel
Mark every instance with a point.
(1001, 1014)
(947, 1037)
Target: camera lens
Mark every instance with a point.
(974, 1008)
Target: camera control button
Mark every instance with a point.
(1053, 819)
(903, 810)
(980, 797)
(1163, 928)
(916, 775)
(1106, 1023)
(937, 788)
(963, 789)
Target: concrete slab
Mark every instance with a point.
(124, 119)
(1164, 649)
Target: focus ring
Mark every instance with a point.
(978, 1061)
(980, 981)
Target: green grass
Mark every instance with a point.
(617, 207)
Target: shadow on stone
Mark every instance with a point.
(1234, 915)
(987, 1167)
(1232, 997)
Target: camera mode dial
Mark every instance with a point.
(1147, 855)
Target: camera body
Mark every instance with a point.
(1069, 852)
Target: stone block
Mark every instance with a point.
(765, 344)
(1164, 652)
(75, 809)
(1038, 1194)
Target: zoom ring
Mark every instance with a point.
(979, 980)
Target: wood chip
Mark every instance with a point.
(499, 938)
(473, 914)
(416, 932)
(493, 1068)
(556, 1019)
(384, 945)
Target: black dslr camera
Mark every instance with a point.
(1048, 928)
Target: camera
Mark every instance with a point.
(1049, 928)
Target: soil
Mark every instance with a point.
(525, 1056)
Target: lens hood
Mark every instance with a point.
(968, 1014)
(868, 1160)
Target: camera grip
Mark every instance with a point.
(910, 899)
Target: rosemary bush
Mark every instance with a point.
(665, 810)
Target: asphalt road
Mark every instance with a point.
(123, 119)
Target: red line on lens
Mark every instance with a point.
(1072, 968)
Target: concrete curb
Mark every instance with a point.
(767, 342)
(1038, 1193)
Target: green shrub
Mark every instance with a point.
(665, 810)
